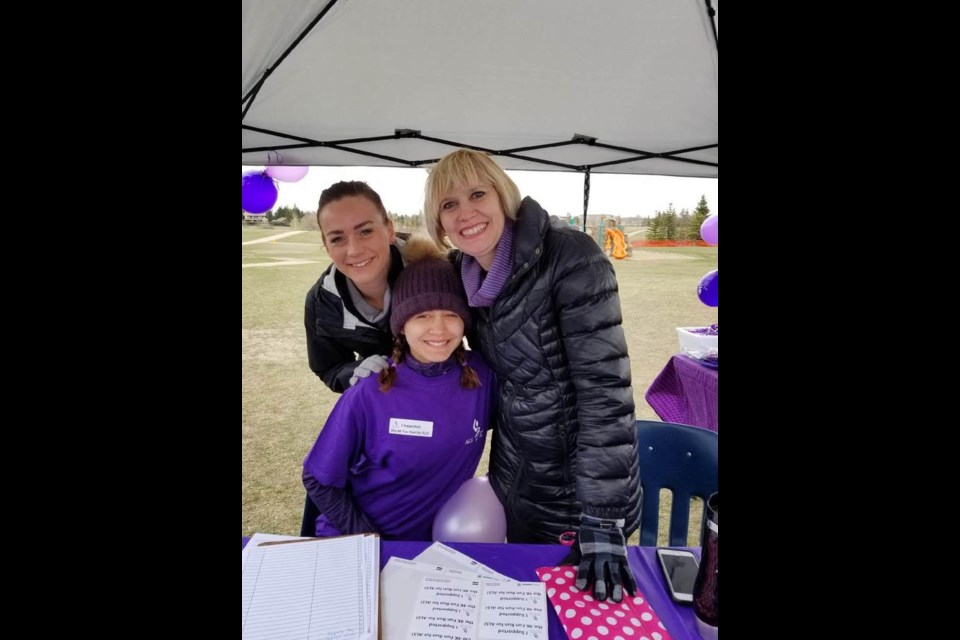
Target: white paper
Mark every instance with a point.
(513, 611)
(318, 588)
(440, 554)
(399, 588)
(446, 609)
(400, 583)
(434, 569)
(257, 538)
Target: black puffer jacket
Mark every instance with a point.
(564, 441)
(337, 332)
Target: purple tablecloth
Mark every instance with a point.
(519, 561)
(686, 392)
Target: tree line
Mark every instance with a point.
(664, 225)
(669, 225)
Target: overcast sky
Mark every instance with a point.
(560, 193)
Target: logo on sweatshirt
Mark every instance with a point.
(477, 433)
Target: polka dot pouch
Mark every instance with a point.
(585, 618)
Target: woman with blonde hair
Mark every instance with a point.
(547, 319)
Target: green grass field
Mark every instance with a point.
(285, 405)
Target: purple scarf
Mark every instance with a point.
(482, 291)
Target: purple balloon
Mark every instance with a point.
(472, 514)
(257, 192)
(709, 288)
(710, 230)
(287, 174)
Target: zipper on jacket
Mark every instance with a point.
(512, 495)
(566, 453)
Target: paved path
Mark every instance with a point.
(279, 263)
(271, 238)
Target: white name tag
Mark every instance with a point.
(404, 427)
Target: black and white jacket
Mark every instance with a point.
(336, 331)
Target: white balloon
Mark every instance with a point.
(287, 173)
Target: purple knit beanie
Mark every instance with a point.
(428, 283)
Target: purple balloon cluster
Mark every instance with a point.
(257, 192)
(708, 290)
(258, 189)
(710, 230)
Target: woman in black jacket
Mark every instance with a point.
(347, 311)
(547, 319)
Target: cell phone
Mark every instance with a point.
(680, 569)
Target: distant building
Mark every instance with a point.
(255, 218)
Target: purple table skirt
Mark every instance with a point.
(519, 561)
(685, 391)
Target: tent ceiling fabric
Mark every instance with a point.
(496, 74)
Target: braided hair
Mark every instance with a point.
(387, 377)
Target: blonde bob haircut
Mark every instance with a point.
(465, 167)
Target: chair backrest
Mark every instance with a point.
(682, 459)
(308, 527)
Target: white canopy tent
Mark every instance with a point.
(619, 86)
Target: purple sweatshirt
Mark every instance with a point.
(400, 455)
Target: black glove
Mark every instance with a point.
(601, 555)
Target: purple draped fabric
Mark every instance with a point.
(685, 391)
